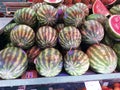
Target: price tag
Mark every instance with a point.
(93, 85)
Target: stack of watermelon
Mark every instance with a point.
(54, 35)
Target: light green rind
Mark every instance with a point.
(76, 63)
(103, 59)
(49, 62)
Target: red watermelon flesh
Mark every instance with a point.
(115, 23)
(108, 2)
(99, 8)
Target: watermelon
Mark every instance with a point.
(49, 62)
(76, 62)
(98, 17)
(107, 40)
(25, 16)
(113, 27)
(83, 7)
(46, 36)
(30, 74)
(99, 8)
(22, 36)
(36, 6)
(73, 16)
(7, 29)
(69, 37)
(9, 45)
(92, 32)
(59, 27)
(53, 2)
(13, 62)
(46, 15)
(103, 59)
(32, 53)
(60, 12)
(108, 2)
(115, 9)
(116, 48)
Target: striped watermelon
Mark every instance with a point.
(76, 63)
(22, 36)
(49, 62)
(9, 45)
(83, 7)
(46, 15)
(92, 32)
(36, 6)
(102, 58)
(25, 16)
(69, 37)
(46, 36)
(60, 12)
(116, 48)
(7, 29)
(13, 62)
(73, 16)
(115, 9)
(98, 17)
(59, 27)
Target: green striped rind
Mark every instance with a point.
(9, 27)
(22, 36)
(9, 45)
(92, 32)
(69, 37)
(60, 12)
(46, 36)
(98, 17)
(46, 15)
(36, 6)
(59, 27)
(25, 16)
(73, 16)
(49, 62)
(108, 40)
(76, 63)
(115, 9)
(103, 59)
(83, 7)
(13, 62)
(116, 48)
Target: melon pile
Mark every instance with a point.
(54, 38)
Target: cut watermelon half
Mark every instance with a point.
(99, 8)
(114, 23)
(53, 1)
(108, 2)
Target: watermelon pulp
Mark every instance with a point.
(52, 0)
(115, 23)
(108, 2)
(99, 8)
